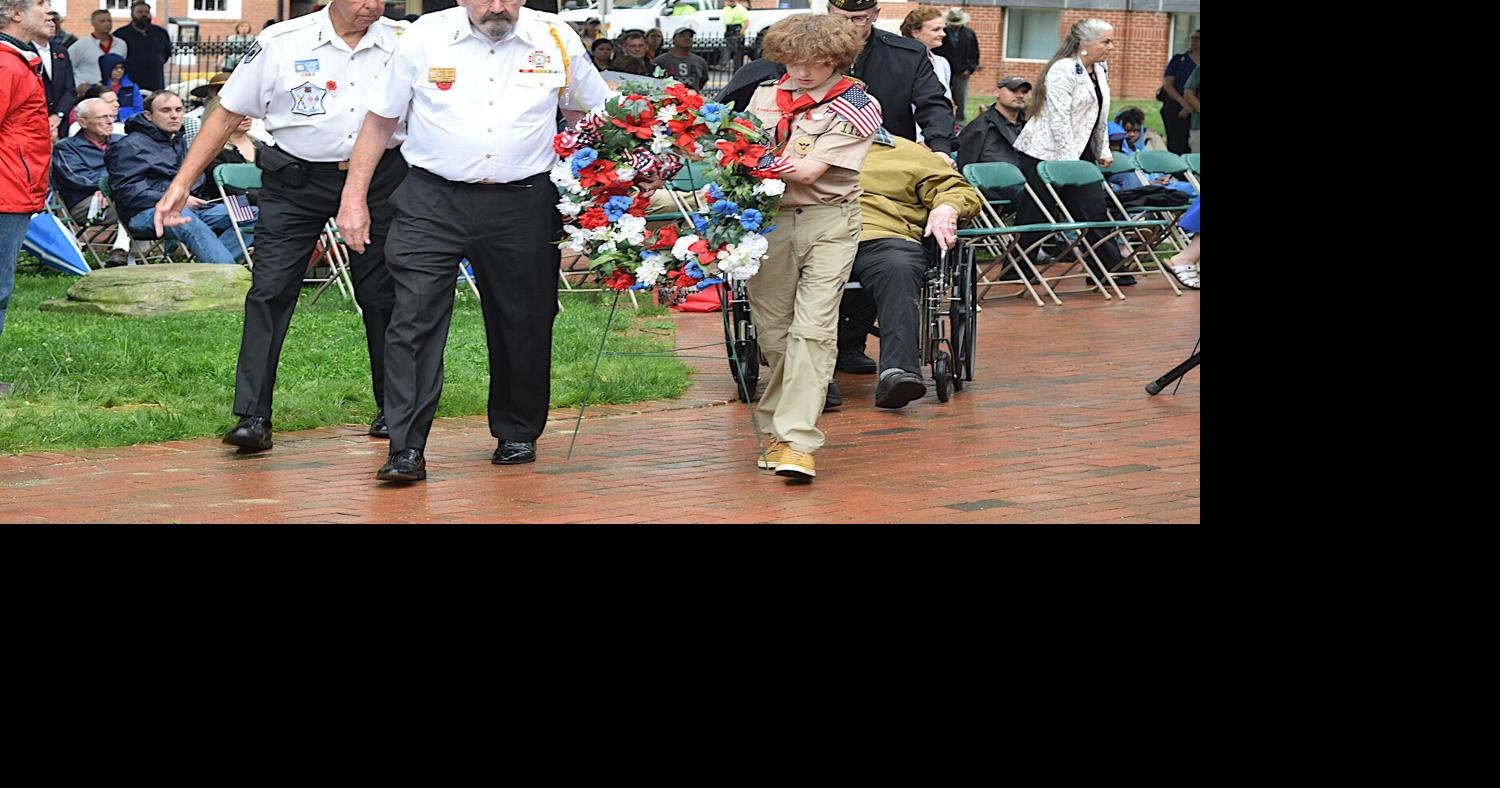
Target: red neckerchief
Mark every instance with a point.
(789, 108)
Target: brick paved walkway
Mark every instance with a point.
(1056, 428)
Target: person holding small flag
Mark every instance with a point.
(823, 123)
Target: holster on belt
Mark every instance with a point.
(289, 169)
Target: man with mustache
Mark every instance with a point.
(481, 85)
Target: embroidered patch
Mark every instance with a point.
(539, 59)
(307, 99)
(307, 67)
(442, 77)
(804, 146)
(250, 55)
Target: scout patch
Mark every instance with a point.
(442, 77)
(307, 99)
(307, 67)
(804, 145)
(250, 55)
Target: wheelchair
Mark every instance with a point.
(947, 336)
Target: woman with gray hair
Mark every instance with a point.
(1067, 120)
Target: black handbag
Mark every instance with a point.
(288, 169)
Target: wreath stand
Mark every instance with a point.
(733, 357)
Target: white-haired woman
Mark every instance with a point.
(1068, 120)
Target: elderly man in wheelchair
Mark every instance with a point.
(910, 194)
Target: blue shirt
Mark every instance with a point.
(1180, 68)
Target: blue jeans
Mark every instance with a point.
(198, 235)
(12, 232)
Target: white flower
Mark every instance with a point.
(578, 239)
(662, 144)
(753, 246)
(562, 176)
(650, 270)
(624, 173)
(680, 249)
(631, 229)
(569, 208)
(668, 112)
(770, 187)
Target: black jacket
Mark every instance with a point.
(961, 48)
(895, 70)
(990, 138)
(142, 165)
(148, 56)
(62, 93)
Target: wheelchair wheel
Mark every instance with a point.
(963, 316)
(744, 350)
(942, 372)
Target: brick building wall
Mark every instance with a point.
(1142, 41)
(216, 25)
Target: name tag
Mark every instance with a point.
(307, 67)
(443, 78)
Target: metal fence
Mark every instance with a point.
(206, 57)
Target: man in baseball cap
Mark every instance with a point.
(992, 135)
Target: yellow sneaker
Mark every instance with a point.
(796, 464)
(772, 456)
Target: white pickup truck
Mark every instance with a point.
(707, 16)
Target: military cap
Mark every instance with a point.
(852, 5)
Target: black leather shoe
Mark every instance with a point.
(898, 388)
(1125, 281)
(252, 432)
(407, 465)
(378, 428)
(514, 453)
(855, 362)
(834, 397)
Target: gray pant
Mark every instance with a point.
(960, 87)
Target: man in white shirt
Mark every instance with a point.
(483, 84)
(309, 78)
(85, 51)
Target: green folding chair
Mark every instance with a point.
(1086, 175)
(92, 237)
(1191, 160)
(156, 245)
(1122, 164)
(1002, 186)
(237, 176)
(1148, 162)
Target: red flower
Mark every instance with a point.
(740, 151)
(600, 173)
(593, 219)
(666, 238)
(747, 124)
(639, 125)
(564, 142)
(686, 132)
(685, 96)
(683, 279)
(638, 208)
(620, 280)
(332, 85)
(706, 256)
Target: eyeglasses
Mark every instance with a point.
(860, 20)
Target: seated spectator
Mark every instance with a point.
(142, 165)
(208, 93)
(992, 136)
(103, 93)
(1123, 180)
(909, 193)
(681, 64)
(239, 149)
(1137, 136)
(602, 51)
(131, 101)
(77, 166)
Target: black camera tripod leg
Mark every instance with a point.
(1176, 374)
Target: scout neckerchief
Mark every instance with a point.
(790, 108)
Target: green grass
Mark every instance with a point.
(87, 381)
(1151, 107)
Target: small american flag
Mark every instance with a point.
(772, 165)
(856, 106)
(240, 209)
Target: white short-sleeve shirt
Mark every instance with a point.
(310, 87)
(482, 111)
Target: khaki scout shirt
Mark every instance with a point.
(820, 135)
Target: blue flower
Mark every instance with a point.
(692, 269)
(768, 230)
(647, 257)
(712, 113)
(616, 207)
(751, 219)
(583, 157)
(700, 223)
(715, 192)
(726, 208)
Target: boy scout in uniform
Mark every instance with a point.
(823, 124)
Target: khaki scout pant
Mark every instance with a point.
(794, 301)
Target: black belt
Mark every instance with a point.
(524, 183)
(336, 166)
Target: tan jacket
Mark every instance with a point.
(1062, 129)
(902, 184)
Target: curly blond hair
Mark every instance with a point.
(921, 16)
(824, 39)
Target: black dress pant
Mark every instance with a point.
(890, 272)
(507, 231)
(291, 219)
(1177, 128)
(1086, 203)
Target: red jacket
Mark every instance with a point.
(26, 151)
